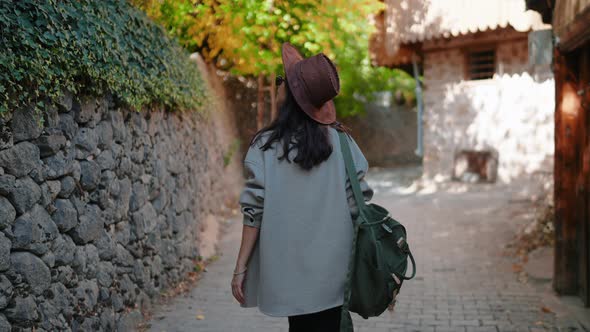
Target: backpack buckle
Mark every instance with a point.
(402, 244)
(387, 228)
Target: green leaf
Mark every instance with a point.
(95, 47)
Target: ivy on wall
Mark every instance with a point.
(86, 46)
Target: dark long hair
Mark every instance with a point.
(296, 130)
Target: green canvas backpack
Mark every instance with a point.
(379, 258)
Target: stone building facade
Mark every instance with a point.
(488, 114)
(102, 209)
(509, 114)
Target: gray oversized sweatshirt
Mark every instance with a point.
(300, 260)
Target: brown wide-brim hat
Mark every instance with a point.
(313, 82)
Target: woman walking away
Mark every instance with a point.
(297, 203)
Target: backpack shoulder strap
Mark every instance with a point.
(351, 171)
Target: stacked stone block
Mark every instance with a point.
(99, 211)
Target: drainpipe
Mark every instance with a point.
(419, 148)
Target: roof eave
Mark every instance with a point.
(400, 59)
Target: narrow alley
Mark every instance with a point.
(465, 280)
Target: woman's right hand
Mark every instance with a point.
(237, 287)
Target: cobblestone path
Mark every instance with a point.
(464, 281)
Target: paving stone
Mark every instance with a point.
(449, 329)
(472, 322)
(482, 329)
(540, 264)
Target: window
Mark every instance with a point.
(481, 64)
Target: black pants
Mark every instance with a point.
(323, 321)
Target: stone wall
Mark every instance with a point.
(510, 114)
(386, 134)
(103, 208)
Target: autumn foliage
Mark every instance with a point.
(244, 37)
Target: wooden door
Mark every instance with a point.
(566, 169)
(584, 192)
